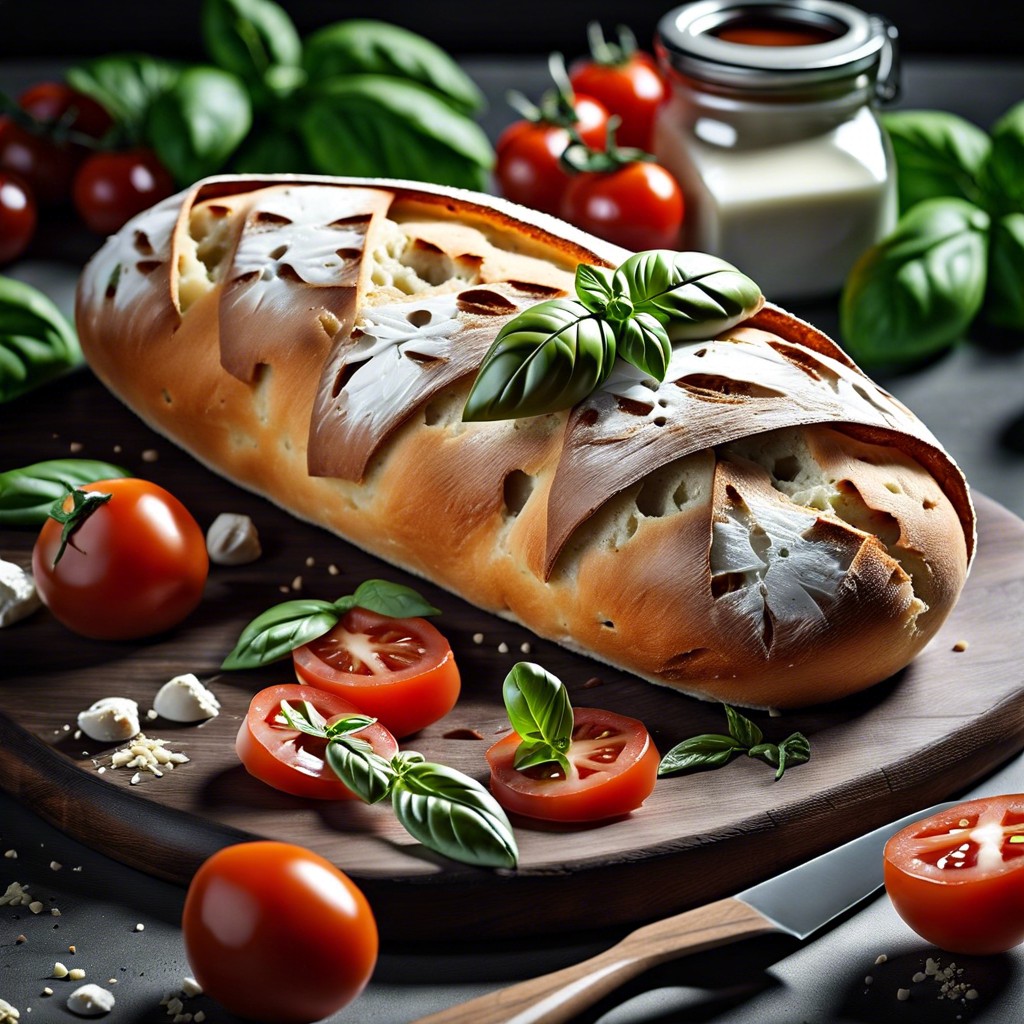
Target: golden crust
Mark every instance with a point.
(769, 529)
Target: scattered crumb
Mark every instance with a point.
(76, 973)
(881, 958)
(284, 589)
(960, 646)
(20, 939)
(478, 638)
(11, 854)
(59, 970)
(297, 583)
(54, 911)
(36, 906)
(72, 949)
(591, 683)
(333, 570)
(503, 647)
(47, 991)
(903, 994)
(191, 987)
(150, 455)
(16, 895)
(140, 927)
(8, 1014)
(75, 447)
(55, 865)
(310, 561)
(524, 647)
(868, 980)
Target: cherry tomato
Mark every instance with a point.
(630, 86)
(276, 933)
(17, 217)
(399, 671)
(528, 167)
(292, 761)
(614, 767)
(44, 166)
(957, 878)
(65, 109)
(135, 567)
(638, 206)
(111, 187)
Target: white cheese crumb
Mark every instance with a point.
(110, 720)
(191, 987)
(8, 1012)
(59, 970)
(881, 958)
(903, 994)
(140, 927)
(524, 647)
(76, 973)
(11, 854)
(55, 865)
(16, 895)
(185, 699)
(503, 647)
(18, 596)
(478, 638)
(35, 906)
(232, 539)
(199, 1017)
(148, 754)
(152, 713)
(91, 1001)
(333, 570)
(150, 455)
(135, 779)
(47, 991)
(54, 912)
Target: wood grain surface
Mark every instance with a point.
(926, 734)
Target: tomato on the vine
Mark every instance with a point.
(293, 761)
(17, 217)
(65, 110)
(637, 205)
(613, 768)
(626, 80)
(133, 566)
(400, 671)
(111, 187)
(957, 877)
(276, 933)
(46, 168)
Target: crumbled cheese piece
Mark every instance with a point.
(54, 912)
(150, 455)
(91, 1001)
(76, 973)
(185, 699)
(140, 927)
(191, 987)
(903, 994)
(478, 638)
(881, 958)
(47, 991)
(110, 720)
(333, 570)
(55, 865)
(503, 647)
(147, 754)
(11, 854)
(18, 596)
(524, 647)
(59, 970)
(35, 906)
(232, 540)
(16, 895)
(8, 1014)
(199, 1017)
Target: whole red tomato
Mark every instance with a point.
(63, 109)
(44, 166)
(276, 933)
(111, 187)
(529, 169)
(626, 80)
(637, 205)
(136, 565)
(17, 217)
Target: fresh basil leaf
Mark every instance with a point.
(916, 292)
(937, 154)
(695, 295)
(797, 748)
(547, 358)
(198, 122)
(367, 774)
(742, 728)
(251, 38)
(28, 493)
(303, 717)
(279, 630)
(125, 85)
(540, 712)
(710, 750)
(454, 815)
(364, 46)
(348, 725)
(272, 150)
(394, 599)
(594, 289)
(643, 341)
(1003, 173)
(37, 343)
(1004, 299)
(374, 126)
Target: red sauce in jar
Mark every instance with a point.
(753, 31)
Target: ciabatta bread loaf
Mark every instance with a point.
(765, 527)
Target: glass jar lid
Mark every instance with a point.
(778, 45)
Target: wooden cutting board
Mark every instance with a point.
(928, 733)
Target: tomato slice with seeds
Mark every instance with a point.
(957, 877)
(293, 761)
(613, 769)
(400, 671)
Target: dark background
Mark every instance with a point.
(33, 28)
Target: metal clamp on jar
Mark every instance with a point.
(771, 131)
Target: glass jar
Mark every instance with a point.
(771, 131)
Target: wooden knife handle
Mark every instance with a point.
(556, 997)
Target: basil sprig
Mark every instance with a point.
(558, 352)
(712, 750)
(538, 708)
(275, 633)
(37, 342)
(446, 811)
(27, 494)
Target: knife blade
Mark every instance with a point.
(798, 902)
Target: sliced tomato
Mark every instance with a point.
(292, 761)
(400, 671)
(613, 763)
(957, 878)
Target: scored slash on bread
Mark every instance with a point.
(766, 526)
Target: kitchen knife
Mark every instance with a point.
(797, 902)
